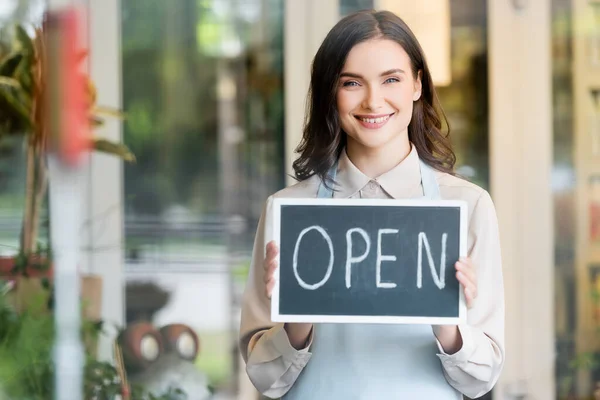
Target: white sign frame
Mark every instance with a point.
(276, 316)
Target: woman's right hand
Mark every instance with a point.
(270, 265)
(298, 334)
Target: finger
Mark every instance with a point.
(272, 249)
(270, 268)
(467, 278)
(472, 291)
(469, 298)
(464, 279)
(469, 289)
(270, 256)
(269, 287)
(467, 283)
(467, 268)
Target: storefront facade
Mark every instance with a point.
(215, 93)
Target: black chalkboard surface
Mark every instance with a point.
(368, 260)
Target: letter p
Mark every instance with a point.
(350, 259)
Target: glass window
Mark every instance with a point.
(350, 6)
(576, 183)
(203, 90)
(465, 100)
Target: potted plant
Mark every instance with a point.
(23, 84)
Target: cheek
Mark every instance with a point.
(403, 100)
(344, 104)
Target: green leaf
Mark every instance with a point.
(10, 83)
(117, 149)
(23, 40)
(24, 75)
(15, 98)
(10, 63)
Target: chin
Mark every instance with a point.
(373, 138)
(369, 143)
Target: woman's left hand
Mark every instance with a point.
(449, 335)
(467, 275)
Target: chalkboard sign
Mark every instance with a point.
(368, 260)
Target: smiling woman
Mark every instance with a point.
(394, 83)
(375, 109)
(374, 131)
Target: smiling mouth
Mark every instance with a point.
(374, 121)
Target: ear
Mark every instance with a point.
(418, 87)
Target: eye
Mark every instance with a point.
(350, 83)
(392, 80)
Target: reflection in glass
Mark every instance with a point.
(564, 199)
(576, 190)
(350, 6)
(465, 100)
(203, 91)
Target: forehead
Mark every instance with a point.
(375, 56)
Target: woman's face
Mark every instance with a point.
(375, 95)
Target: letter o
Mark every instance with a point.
(295, 262)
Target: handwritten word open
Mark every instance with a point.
(352, 258)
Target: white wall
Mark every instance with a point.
(104, 231)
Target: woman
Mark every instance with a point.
(374, 131)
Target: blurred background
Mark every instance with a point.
(213, 92)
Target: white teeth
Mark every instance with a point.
(375, 120)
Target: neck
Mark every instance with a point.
(374, 162)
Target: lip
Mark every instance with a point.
(373, 125)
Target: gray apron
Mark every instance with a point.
(374, 361)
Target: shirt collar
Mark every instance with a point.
(402, 181)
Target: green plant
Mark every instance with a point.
(26, 363)
(26, 351)
(24, 110)
(39, 260)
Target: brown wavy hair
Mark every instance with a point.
(323, 139)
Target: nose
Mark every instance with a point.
(373, 99)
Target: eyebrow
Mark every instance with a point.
(358, 76)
